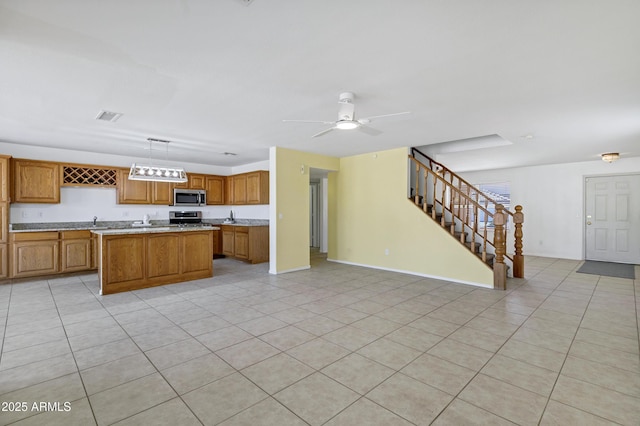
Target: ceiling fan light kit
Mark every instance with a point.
(346, 118)
(347, 125)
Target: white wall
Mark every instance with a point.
(552, 198)
(81, 204)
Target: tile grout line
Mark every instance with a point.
(496, 352)
(569, 350)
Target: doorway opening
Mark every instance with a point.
(318, 212)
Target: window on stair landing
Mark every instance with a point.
(501, 193)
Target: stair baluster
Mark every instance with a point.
(453, 202)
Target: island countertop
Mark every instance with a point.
(153, 230)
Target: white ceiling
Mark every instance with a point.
(216, 76)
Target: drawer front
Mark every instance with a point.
(34, 236)
(77, 234)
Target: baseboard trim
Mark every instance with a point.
(302, 268)
(402, 271)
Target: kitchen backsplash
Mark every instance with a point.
(82, 204)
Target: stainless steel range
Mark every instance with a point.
(185, 218)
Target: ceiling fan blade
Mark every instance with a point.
(375, 117)
(308, 121)
(324, 132)
(369, 130)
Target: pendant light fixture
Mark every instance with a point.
(157, 173)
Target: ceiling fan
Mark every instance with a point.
(346, 118)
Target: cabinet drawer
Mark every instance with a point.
(34, 236)
(72, 235)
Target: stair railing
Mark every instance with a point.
(465, 205)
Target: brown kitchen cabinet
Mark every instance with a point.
(4, 216)
(35, 253)
(238, 189)
(227, 233)
(4, 222)
(248, 188)
(217, 242)
(195, 181)
(142, 192)
(94, 251)
(133, 261)
(4, 261)
(241, 242)
(249, 243)
(132, 191)
(76, 253)
(258, 187)
(162, 193)
(35, 181)
(215, 186)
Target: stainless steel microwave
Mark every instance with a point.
(189, 197)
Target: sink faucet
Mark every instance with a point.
(94, 220)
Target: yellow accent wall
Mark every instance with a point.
(368, 214)
(289, 211)
(372, 214)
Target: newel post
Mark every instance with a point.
(518, 258)
(499, 267)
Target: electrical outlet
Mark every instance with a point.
(386, 252)
(125, 214)
(25, 214)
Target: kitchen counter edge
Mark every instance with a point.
(153, 230)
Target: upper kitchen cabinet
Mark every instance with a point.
(258, 187)
(4, 175)
(142, 192)
(35, 181)
(238, 189)
(196, 181)
(162, 193)
(214, 186)
(248, 188)
(132, 191)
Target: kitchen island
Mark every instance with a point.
(131, 259)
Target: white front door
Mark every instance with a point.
(612, 223)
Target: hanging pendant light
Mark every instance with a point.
(157, 173)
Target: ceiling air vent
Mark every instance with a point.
(108, 116)
(245, 2)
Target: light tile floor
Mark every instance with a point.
(335, 345)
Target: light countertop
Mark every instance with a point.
(153, 230)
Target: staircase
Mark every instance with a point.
(474, 218)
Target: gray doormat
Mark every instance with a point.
(608, 269)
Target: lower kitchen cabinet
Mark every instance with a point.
(250, 243)
(49, 252)
(217, 242)
(241, 242)
(228, 246)
(35, 253)
(76, 253)
(4, 261)
(134, 261)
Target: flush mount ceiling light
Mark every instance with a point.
(108, 116)
(157, 173)
(610, 157)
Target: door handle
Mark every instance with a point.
(589, 223)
